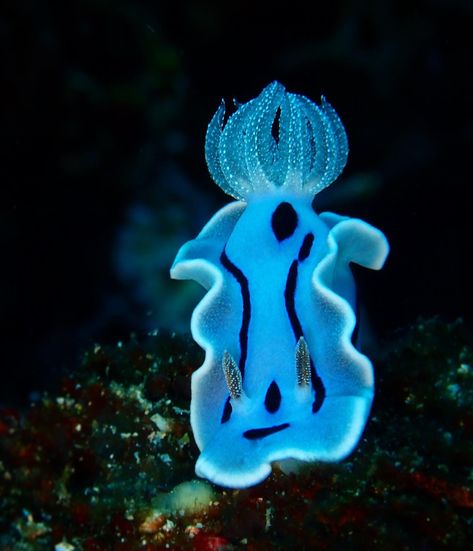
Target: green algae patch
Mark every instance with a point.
(108, 461)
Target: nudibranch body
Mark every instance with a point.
(282, 377)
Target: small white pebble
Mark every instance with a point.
(169, 526)
(161, 422)
(64, 546)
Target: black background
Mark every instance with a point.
(105, 105)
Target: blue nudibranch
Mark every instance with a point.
(282, 377)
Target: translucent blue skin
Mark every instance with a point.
(246, 268)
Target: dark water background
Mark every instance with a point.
(104, 106)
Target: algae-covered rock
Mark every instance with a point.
(108, 461)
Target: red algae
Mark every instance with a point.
(90, 467)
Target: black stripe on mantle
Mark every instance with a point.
(246, 316)
(289, 297)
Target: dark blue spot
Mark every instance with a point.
(227, 411)
(284, 221)
(273, 398)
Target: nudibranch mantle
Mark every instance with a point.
(282, 377)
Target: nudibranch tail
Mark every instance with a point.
(277, 140)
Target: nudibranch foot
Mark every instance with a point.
(282, 377)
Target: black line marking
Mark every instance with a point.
(306, 247)
(289, 297)
(272, 400)
(284, 221)
(289, 294)
(318, 385)
(254, 434)
(245, 295)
